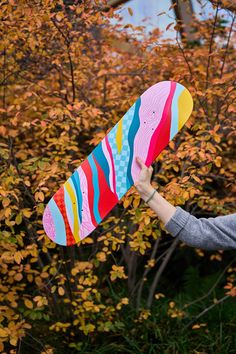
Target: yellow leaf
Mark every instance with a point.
(39, 196)
(87, 240)
(18, 219)
(5, 202)
(136, 202)
(3, 333)
(59, 16)
(61, 291)
(196, 178)
(196, 326)
(18, 257)
(27, 212)
(28, 304)
(126, 203)
(218, 161)
(172, 145)
(186, 195)
(101, 256)
(14, 341)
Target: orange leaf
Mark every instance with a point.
(28, 304)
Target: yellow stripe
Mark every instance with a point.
(185, 106)
(119, 136)
(75, 212)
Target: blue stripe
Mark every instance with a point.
(58, 222)
(69, 210)
(96, 189)
(132, 132)
(175, 111)
(101, 159)
(76, 182)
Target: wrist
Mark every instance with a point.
(146, 191)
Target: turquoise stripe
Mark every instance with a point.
(132, 132)
(58, 222)
(175, 111)
(96, 189)
(101, 159)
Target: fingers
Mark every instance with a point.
(142, 164)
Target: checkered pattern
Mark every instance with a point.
(121, 159)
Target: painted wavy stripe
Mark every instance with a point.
(185, 104)
(150, 114)
(119, 136)
(87, 226)
(76, 183)
(132, 132)
(48, 223)
(121, 157)
(108, 159)
(112, 163)
(59, 199)
(161, 136)
(96, 189)
(175, 111)
(69, 210)
(60, 236)
(71, 204)
(89, 176)
(106, 197)
(99, 156)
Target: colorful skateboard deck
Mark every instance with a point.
(96, 186)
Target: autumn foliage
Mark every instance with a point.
(67, 76)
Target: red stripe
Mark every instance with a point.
(59, 199)
(107, 199)
(161, 136)
(89, 176)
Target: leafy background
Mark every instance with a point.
(67, 76)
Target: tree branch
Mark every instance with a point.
(160, 271)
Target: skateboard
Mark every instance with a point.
(110, 170)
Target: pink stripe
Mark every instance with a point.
(112, 162)
(48, 223)
(86, 227)
(106, 153)
(152, 100)
(151, 155)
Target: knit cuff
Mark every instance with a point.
(177, 221)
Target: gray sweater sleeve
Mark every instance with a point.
(207, 233)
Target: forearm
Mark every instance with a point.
(210, 234)
(158, 204)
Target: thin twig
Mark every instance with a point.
(212, 288)
(227, 47)
(211, 44)
(147, 270)
(206, 310)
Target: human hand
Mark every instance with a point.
(143, 184)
